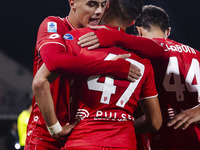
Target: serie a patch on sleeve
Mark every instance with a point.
(51, 27)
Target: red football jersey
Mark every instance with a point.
(52, 50)
(177, 76)
(106, 104)
(49, 32)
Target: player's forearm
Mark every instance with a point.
(152, 119)
(64, 63)
(90, 67)
(144, 47)
(41, 91)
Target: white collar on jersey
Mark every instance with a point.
(69, 23)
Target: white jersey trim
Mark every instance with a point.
(69, 23)
(149, 97)
(51, 43)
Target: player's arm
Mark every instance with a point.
(53, 50)
(144, 47)
(152, 119)
(41, 90)
(57, 60)
(185, 118)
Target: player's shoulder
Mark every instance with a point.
(54, 18)
(164, 40)
(53, 24)
(144, 61)
(53, 21)
(186, 48)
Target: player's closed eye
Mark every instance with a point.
(96, 4)
(93, 4)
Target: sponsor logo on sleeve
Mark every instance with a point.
(68, 37)
(52, 27)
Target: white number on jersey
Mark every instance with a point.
(108, 88)
(177, 86)
(193, 72)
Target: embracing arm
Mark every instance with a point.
(60, 62)
(144, 47)
(152, 119)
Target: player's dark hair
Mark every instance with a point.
(128, 10)
(152, 15)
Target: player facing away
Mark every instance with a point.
(51, 28)
(106, 104)
(177, 74)
(51, 51)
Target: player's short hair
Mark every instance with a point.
(153, 15)
(128, 10)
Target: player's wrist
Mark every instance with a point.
(54, 129)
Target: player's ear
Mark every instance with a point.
(139, 30)
(168, 31)
(107, 5)
(132, 23)
(71, 4)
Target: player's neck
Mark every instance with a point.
(73, 21)
(116, 24)
(155, 33)
(113, 21)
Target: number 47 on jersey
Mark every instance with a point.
(108, 88)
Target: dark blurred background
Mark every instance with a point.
(18, 30)
(20, 21)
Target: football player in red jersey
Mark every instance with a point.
(177, 73)
(106, 104)
(119, 117)
(51, 51)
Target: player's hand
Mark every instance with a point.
(134, 71)
(90, 39)
(61, 137)
(185, 118)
